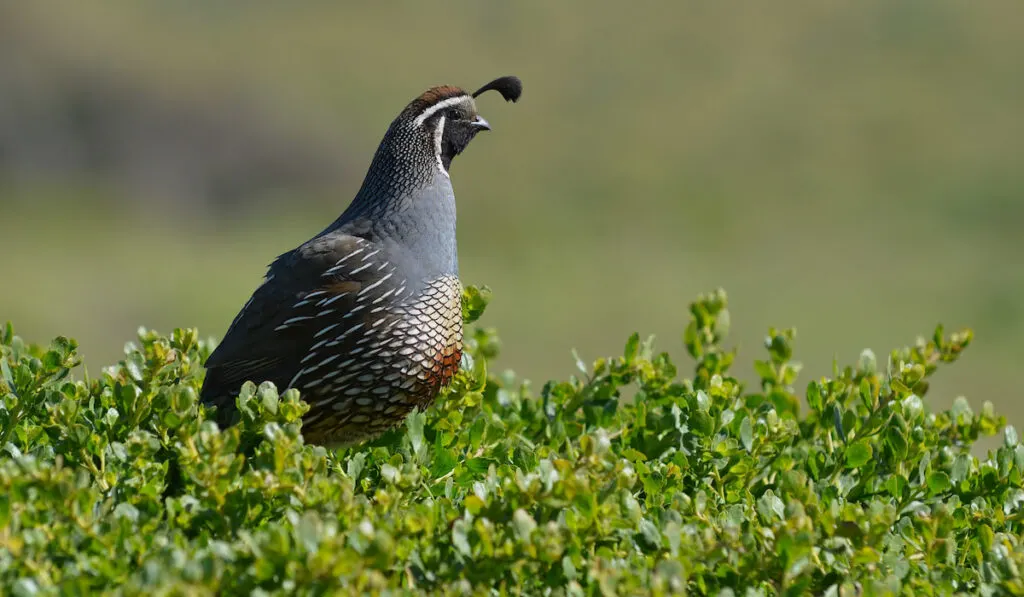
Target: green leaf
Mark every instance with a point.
(764, 370)
(569, 569)
(837, 422)
(524, 524)
(649, 536)
(938, 482)
(632, 347)
(474, 302)
(986, 537)
(867, 397)
(814, 399)
(867, 363)
(474, 504)
(692, 341)
(8, 377)
(389, 473)
(355, 466)
(25, 587)
(1010, 436)
(770, 507)
(896, 442)
(747, 434)
(778, 345)
(896, 485)
(961, 468)
(445, 460)
(702, 423)
(414, 424)
(858, 454)
(479, 466)
(460, 539)
(580, 365)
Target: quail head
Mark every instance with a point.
(365, 318)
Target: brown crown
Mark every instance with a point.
(430, 97)
(441, 93)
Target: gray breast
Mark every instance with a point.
(419, 235)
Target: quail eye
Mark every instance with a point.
(454, 114)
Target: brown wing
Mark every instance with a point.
(312, 296)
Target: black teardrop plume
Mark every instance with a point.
(509, 87)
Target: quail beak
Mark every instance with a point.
(482, 124)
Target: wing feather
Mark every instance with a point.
(310, 300)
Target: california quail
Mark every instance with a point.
(365, 318)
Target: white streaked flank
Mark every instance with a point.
(296, 320)
(374, 285)
(327, 301)
(359, 269)
(325, 330)
(291, 384)
(328, 360)
(383, 296)
(349, 256)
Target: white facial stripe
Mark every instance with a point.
(439, 106)
(438, 132)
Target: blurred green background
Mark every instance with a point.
(855, 170)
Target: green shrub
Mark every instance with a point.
(625, 479)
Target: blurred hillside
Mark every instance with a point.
(856, 171)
